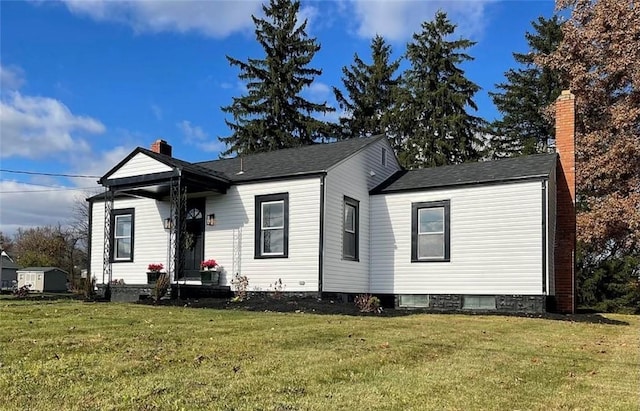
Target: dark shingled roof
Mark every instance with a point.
(7, 262)
(517, 168)
(45, 269)
(289, 162)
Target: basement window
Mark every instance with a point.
(478, 302)
(413, 301)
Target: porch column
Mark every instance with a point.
(178, 199)
(106, 254)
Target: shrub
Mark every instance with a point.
(161, 287)
(89, 288)
(240, 284)
(22, 292)
(277, 289)
(368, 303)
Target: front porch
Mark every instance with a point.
(133, 292)
(178, 191)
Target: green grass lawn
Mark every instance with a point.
(64, 355)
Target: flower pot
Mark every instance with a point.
(152, 277)
(209, 277)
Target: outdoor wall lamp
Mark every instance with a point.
(168, 223)
(211, 219)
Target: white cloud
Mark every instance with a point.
(398, 20)
(39, 127)
(192, 133)
(26, 205)
(97, 164)
(210, 18)
(318, 90)
(11, 77)
(49, 201)
(196, 136)
(157, 111)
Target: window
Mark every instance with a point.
(478, 302)
(413, 301)
(384, 157)
(350, 229)
(272, 226)
(122, 235)
(430, 231)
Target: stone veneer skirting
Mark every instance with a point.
(504, 303)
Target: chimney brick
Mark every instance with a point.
(565, 244)
(161, 147)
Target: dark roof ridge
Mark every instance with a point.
(303, 147)
(479, 172)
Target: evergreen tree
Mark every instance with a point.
(370, 91)
(273, 114)
(433, 125)
(524, 129)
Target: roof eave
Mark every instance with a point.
(377, 191)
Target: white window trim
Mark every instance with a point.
(116, 237)
(432, 233)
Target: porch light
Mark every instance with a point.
(168, 223)
(211, 219)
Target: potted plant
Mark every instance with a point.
(153, 272)
(209, 272)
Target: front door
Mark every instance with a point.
(194, 238)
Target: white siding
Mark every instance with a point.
(496, 242)
(140, 164)
(231, 241)
(150, 239)
(352, 178)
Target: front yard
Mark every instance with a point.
(74, 355)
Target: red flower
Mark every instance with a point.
(209, 264)
(155, 267)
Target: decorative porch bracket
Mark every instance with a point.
(106, 254)
(178, 204)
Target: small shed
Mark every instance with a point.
(43, 279)
(8, 272)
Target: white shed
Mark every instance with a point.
(43, 279)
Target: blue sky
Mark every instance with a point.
(85, 82)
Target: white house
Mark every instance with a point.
(345, 218)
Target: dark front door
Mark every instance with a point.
(194, 238)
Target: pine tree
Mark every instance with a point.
(524, 129)
(370, 91)
(273, 114)
(433, 125)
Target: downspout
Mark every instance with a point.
(321, 236)
(544, 237)
(90, 235)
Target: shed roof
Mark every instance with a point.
(510, 169)
(43, 269)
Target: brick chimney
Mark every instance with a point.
(161, 147)
(565, 244)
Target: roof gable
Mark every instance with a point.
(125, 167)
